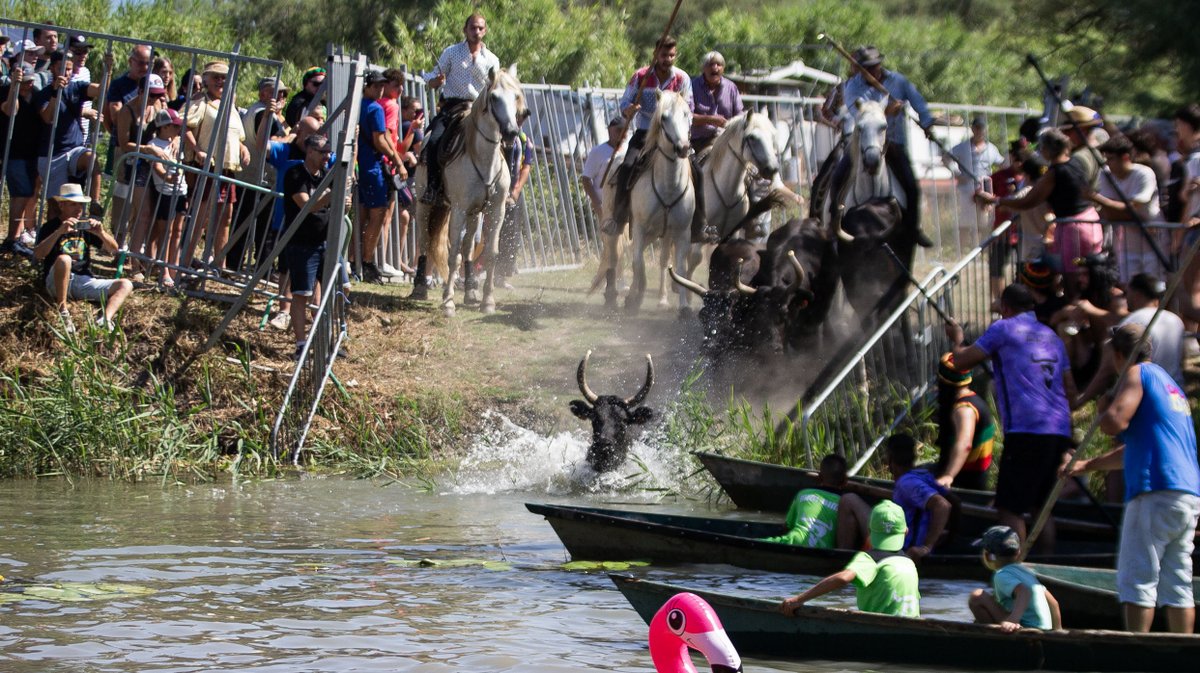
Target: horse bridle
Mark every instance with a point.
(475, 123)
(741, 157)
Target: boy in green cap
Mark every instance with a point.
(885, 580)
(1018, 600)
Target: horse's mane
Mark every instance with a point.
(669, 99)
(504, 80)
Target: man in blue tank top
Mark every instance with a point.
(1150, 415)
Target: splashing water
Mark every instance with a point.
(510, 458)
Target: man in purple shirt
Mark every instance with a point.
(1033, 383)
(717, 100)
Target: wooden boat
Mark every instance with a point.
(765, 487)
(598, 534)
(1088, 596)
(757, 628)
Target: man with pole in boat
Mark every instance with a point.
(1151, 416)
(895, 93)
(638, 105)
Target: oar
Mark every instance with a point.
(1044, 515)
(642, 85)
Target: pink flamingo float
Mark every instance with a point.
(684, 621)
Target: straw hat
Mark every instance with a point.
(216, 67)
(71, 192)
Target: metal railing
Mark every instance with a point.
(895, 367)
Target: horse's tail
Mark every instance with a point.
(438, 231)
(610, 258)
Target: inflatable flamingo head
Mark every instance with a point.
(684, 621)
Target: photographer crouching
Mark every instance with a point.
(64, 247)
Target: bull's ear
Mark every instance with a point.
(641, 416)
(581, 409)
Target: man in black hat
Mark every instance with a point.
(899, 92)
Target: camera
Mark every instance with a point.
(84, 225)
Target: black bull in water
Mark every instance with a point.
(611, 417)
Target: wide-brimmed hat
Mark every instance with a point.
(269, 82)
(888, 526)
(1084, 117)
(868, 56)
(216, 68)
(71, 192)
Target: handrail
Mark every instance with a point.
(870, 343)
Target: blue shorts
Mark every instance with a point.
(372, 188)
(304, 264)
(21, 177)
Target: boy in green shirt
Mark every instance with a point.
(817, 517)
(1017, 600)
(884, 579)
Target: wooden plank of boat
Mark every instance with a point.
(598, 534)
(756, 628)
(1088, 596)
(755, 485)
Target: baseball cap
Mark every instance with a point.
(999, 541)
(31, 47)
(266, 82)
(79, 42)
(167, 118)
(27, 70)
(888, 526)
(373, 77)
(1148, 285)
(155, 84)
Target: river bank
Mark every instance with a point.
(144, 402)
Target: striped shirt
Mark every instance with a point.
(466, 75)
(678, 82)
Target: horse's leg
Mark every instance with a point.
(456, 233)
(683, 236)
(421, 223)
(664, 258)
(470, 280)
(637, 287)
(492, 222)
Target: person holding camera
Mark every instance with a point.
(64, 247)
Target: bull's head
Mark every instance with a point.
(764, 310)
(611, 418)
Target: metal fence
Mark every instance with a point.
(894, 368)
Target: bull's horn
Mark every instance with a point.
(737, 280)
(799, 269)
(843, 236)
(641, 394)
(581, 377)
(687, 283)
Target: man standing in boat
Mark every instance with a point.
(1151, 415)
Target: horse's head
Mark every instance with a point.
(672, 123)
(870, 132)
(759, 143)
(505, 101)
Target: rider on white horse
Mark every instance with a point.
(899, 92)
(461, 73)
(639, 109)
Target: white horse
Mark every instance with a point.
(476, 183)
(747, 143)
(663, 199)
(869, 177)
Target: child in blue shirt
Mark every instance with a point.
(1017, 599)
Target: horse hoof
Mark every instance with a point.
(664, 302)
(419, 292)
(632, 307)
(488, 307)
(471, 298)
